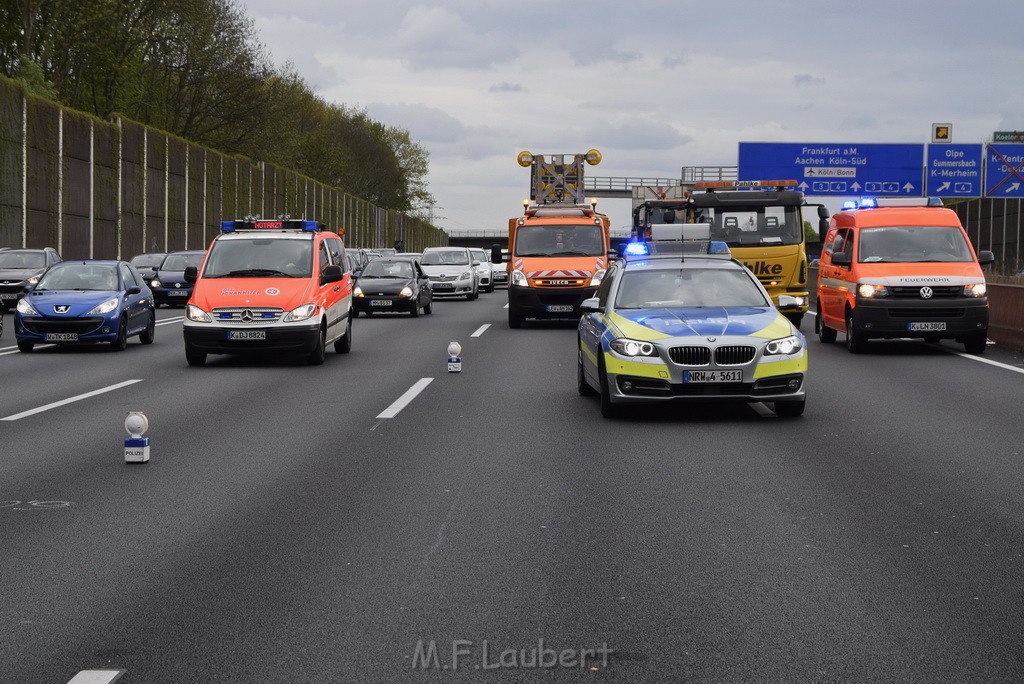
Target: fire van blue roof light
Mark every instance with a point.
(868, 203)
(310, 226)
(227, 226)
(849, 204)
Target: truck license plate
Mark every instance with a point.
(713, 376)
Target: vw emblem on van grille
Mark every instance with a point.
(926, 292)
(61, 308)
(247, 316)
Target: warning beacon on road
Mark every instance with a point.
(136, 447)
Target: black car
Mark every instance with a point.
(392, 284)
(20, 268)
(146, 264)
(168, 284)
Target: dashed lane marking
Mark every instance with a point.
(69, 400)
(405, 399)
(97, 676)
(480, 331)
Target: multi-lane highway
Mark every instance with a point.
(284, 531)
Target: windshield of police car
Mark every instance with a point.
(688, 288)
(913, 244)
(559, 240)
(260, 257)
(740, 226)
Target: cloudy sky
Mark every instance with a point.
(655, 85)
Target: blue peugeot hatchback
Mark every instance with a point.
(83, 302)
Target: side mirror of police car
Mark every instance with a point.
(331, 274)
(191, 274)
(590, 305)
(985, 257)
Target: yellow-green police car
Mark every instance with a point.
(688, 327)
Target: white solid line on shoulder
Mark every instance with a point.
(69, 400)
(405, 399)
(97, 676)
(480, 331)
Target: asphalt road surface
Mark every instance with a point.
(495, 527)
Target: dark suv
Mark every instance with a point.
(20, 268)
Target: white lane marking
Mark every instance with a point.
(505, 307)
(97, 676)
(63, 402)
(168, 321)
(979, 359)
(14, 350)
(403, 401)
(762, 409)
(811, 312)
(480, 330)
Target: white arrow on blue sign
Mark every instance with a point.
(953, 170)
(1004, 170)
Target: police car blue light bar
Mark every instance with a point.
(636, 249)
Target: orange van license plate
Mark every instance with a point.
(247, 334)
(927, 327)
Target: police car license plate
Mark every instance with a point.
(713, 376)
(926, 327)
(9, 295)
(61, 337)
(558, 308)
(247, 334)
(380, 302)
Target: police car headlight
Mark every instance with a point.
(104, 308)
(598, 276)
(784, 346)
(975, 290)
(299, 313)
(357, 292)
(628, 347)
(872, 291)
(406, 292)
(197, 315)
(154, 283)
(519, 279)
(25, 308)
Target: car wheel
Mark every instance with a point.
(149, 334)
(582, 386)
(826, 335)
(415, 310)
(194, 356)
(428, 308)
(319, 353)
(344, 345)
(856, 342)
(608, 409)
(975, 344)
(789, 409)
(490, 288)
(25, 346)
(355, 312)
(121, 343)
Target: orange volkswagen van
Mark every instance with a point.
(901, 267)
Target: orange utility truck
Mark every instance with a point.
(558, 250)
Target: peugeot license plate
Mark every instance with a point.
(713, 376)
(247, 334)
(558, 308)
(61, 337)
(927, 327)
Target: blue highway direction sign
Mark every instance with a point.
(1004, 170)
(953, 171)
(837, 168)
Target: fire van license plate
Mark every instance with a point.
(558, 308)
(713, 376)
(61, 337)
(926, 327)
(247, 334)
